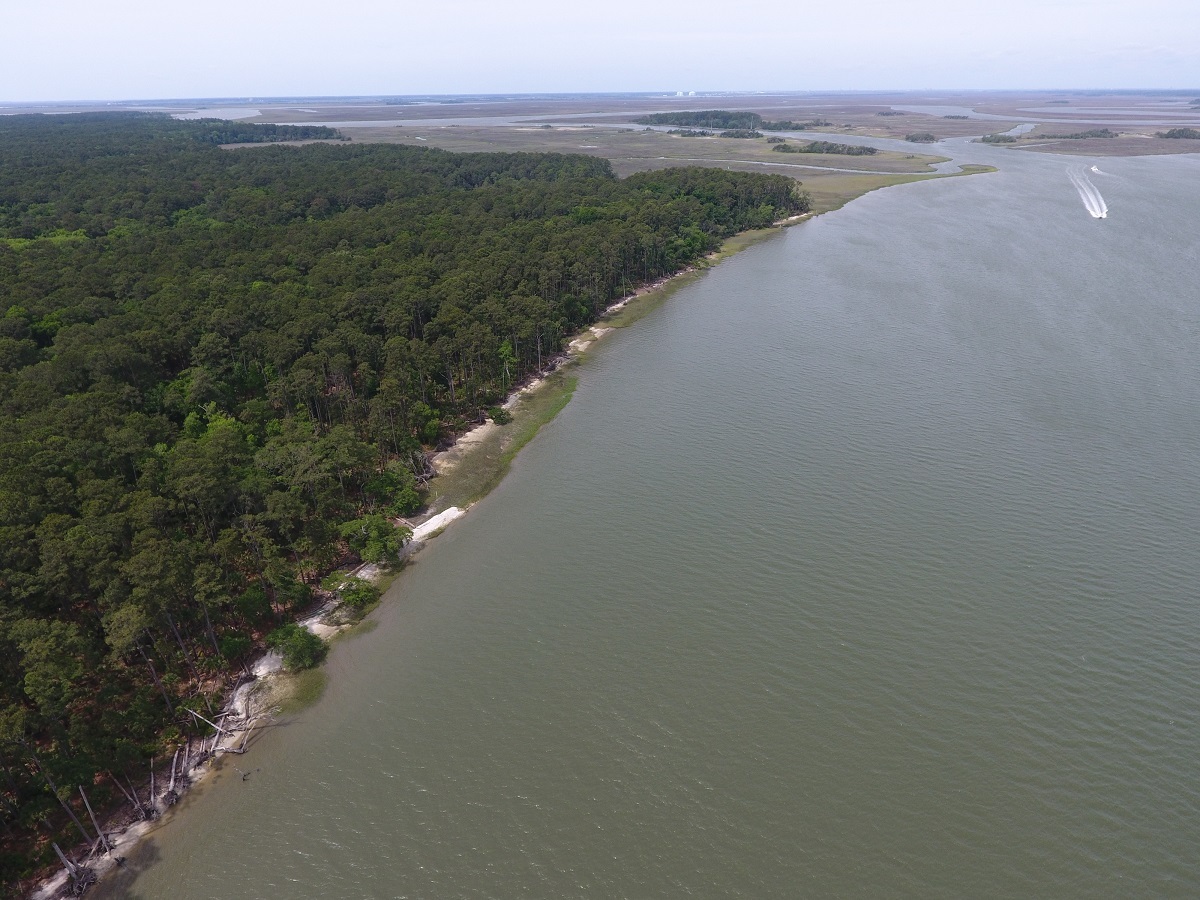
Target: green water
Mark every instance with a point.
(865, 566)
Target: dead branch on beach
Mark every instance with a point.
(145, 813)
(82, 877)
(100, 831)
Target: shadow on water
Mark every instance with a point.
(118, 883)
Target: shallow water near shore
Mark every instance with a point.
(865, 565)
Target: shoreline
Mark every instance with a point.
(255, 698)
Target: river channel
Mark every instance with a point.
(867, 565)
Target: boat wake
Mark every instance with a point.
(1092, 201)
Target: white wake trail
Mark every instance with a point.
(1093, 202)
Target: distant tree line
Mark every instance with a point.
(220, 131)
(741, 133)
(788, 125)
(712, 119)
(995, 139)
(826, 147)
(220, 373)
(921, 137)
(1186, 133)
(723, 119)
(1080, 135)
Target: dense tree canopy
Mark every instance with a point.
(789, 125)
(723, 119)
(1083, 135)
(220, 371)
(827, 147)
(712, 119)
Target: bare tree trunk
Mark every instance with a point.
(187, 657)
(100, 831)
(213, 724)
(72, 869)
(211, 634)
(54, 790)
(217, 736)
(157, 681)
(81, 876)
(131, 797)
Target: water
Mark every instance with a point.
(865, 567)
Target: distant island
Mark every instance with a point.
(1191, 134)
(826, 147)
(1083, 135)
(713, 119)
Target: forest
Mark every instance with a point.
(717, 119)
(789, 125)
(712, 119)
(1083, 135)
(826, 147)
(221, 372)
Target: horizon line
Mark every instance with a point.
(674, 94)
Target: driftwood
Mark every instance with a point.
(146, 812)
(85, 878)
(228, 723)
(210, 722)
(170, 798)
(67, 864)
(249, 728)
(82, 877)
(427, 471)
(131, 795)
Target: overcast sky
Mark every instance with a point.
(127, 49)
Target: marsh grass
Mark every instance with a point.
(299, 690)
(486, 463)
(625, 147)
(361, 627)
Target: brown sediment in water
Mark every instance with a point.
(477, 461)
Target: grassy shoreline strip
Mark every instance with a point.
(482, 465)
(485, 462)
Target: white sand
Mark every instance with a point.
(423, 531)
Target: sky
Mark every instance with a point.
(137, 49)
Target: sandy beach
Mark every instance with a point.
(253, 700)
